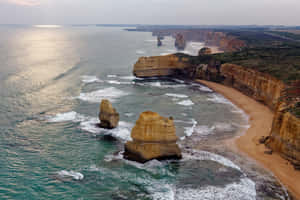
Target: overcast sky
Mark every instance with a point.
(197, 12)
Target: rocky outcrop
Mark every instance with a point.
(285, 135)
(180, 42)
(204, 51)
(108, 116)
(159, 66)
(153, 137)
(159, 42)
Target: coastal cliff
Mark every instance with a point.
(222, 40)
(284, 137)
(259, 86)
(159, 66)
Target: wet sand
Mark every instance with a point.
(260, 120)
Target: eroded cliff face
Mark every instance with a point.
(159, 66)
(225, 42)
(262, 87)
(285, 135)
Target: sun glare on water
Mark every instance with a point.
(47, 26)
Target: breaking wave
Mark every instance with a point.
(110, 93)
(70, 174)
(90, 124)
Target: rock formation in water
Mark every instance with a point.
(153, 137)
(180, 42)
(159, 42)
(108, 116)
(159, 66)
(204, 51)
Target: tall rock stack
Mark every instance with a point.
(108, 116)
(153, 138)
(180, 42)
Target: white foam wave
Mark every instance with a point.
(225, 127)
(118, 82)
(112, 76)
(245, 189)
(165, 193)
(68, 116)
(190, 130)
(130, 78)
(151, 40)
(159, 85)
(186, 103)
(176, 95)
(90, 79)
(204, 130)
(165, 54)
(74, 175)
(140, 52)
(196, 45)
(129, 114)
(123, 131)
(178, 80)
(205, 155)
(217, 98)
(110, 93)
(90, 124)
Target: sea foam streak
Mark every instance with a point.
(245, 189)
(70, 174)
(217, 98)
(205, 155)
(190, 130)
(68, 116)
(90, 79)
(186, 103)
(176, 95)
(110, 93)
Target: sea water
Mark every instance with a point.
(52, 80)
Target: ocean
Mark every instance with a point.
(52, 80)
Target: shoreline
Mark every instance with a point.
(260, 121)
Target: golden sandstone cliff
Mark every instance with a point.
(158, 66)
(284, 137)
(153, 137)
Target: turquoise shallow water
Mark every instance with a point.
(51, 84)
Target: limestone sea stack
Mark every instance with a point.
(180, 42)
(108, 115)
(204, 51)
(153, 138)
(159, 42)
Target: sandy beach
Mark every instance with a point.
(260, 119)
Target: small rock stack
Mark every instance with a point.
(108, 115)
(180, 42)
(204, 51)
(153, 138)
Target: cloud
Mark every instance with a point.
(22, 2)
